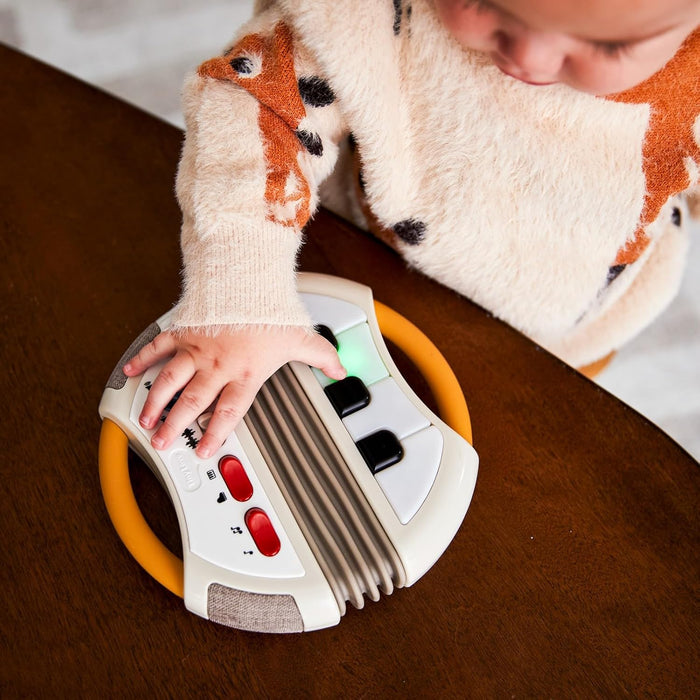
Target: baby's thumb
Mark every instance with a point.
(323, 356)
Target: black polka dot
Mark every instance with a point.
(242, 65)
(311, 142)
(676, 216)
(315, 91)
(410, 231)
(614, 273)
(397, 17)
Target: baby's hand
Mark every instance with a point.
(232, 366)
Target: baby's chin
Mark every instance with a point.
(600, 89)
(593, 82)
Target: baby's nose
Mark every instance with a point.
(539, 56)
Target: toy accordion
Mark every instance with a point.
(328, 492)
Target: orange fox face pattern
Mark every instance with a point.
(264, 67)
(673, 95)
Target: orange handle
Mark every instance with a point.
(126, 516)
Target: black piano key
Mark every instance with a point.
(347, 395)
(380, 450)
(327, 333)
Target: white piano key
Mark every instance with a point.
(388, 408)
(337, 314)
(407, 483)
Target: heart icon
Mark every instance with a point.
(221, 498)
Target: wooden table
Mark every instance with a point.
(575, 572)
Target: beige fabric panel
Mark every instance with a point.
(253, 612)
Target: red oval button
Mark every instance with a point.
(264, 535)
(235, 477)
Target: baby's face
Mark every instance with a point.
(596, 46)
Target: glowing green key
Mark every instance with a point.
(358, 355)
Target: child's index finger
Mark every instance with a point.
(159, 348)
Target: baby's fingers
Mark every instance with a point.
(233, 404)
(192, 402)
(162, 346)
(173, 377)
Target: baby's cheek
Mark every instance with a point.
(617, 74)
(595, 77)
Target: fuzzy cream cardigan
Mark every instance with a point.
(556, 210)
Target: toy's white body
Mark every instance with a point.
(251, 540)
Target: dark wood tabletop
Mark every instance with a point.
(574, 574)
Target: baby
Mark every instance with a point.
(530, 154)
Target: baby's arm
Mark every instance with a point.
(254, 155)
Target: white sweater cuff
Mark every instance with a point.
(237, 276)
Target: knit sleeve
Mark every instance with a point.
(261, 134)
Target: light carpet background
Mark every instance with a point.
(140, 52)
